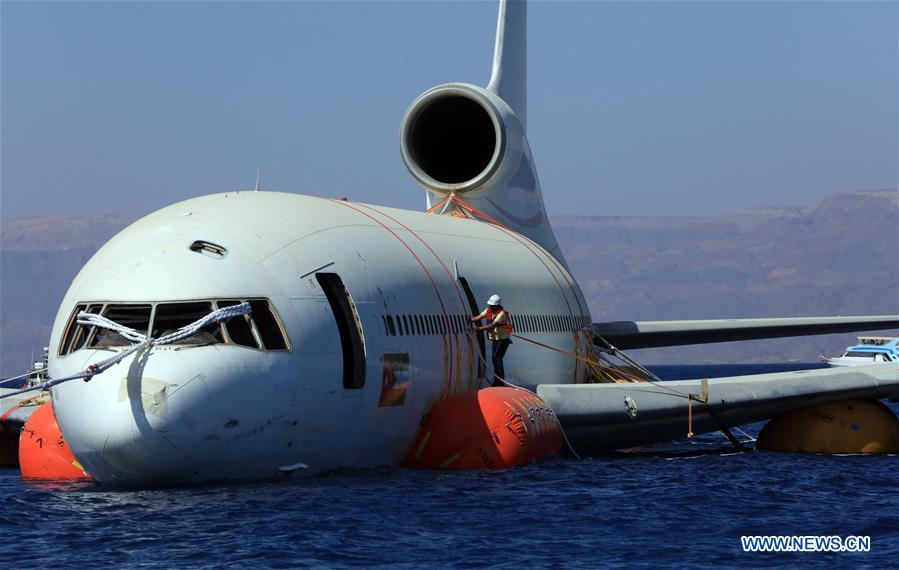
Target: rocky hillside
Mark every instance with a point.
(39, 257)
(837, 258)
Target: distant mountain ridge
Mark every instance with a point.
(837, 258)
(840, 257)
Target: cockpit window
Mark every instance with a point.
(240, 331)
(71, 330)
(261, 329)
(76, 335)
(136, 317)
(267, 325)
(170, 317)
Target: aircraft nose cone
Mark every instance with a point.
(117, 425)
(183, 416)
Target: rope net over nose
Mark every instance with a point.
(141, 342)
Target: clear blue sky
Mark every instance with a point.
(635, 108)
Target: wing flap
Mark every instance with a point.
(653, 334)
(600, 417)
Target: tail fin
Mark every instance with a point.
(468, 143)
(509, 78)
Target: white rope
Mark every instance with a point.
(142, 342)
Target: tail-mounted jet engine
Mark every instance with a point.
(465, 141)
(461, 138)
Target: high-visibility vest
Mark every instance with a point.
(506, 326)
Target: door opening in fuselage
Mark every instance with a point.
(349, 326)
(480, 334)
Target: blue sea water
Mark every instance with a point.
(683, 507)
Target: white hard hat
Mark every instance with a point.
(494, 300)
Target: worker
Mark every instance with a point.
(498, 327)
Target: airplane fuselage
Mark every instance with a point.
(373, 304)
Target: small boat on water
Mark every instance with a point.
(15, 410)
(869, 350)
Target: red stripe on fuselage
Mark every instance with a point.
(462, 301)
(424, 269)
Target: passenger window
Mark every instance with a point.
(170, 317)
(239, 330)
(136, 317)
(268, 326)
(391, 328)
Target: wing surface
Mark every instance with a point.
(604, 417)
(652, 334)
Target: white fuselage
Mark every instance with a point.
(224, 411)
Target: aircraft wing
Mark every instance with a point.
(604, 417)
(15, 410)
(652, 334)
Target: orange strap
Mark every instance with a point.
(465, 206)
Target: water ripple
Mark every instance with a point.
(650, 510)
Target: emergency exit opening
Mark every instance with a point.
(349, 326)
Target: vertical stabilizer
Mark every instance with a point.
(468, 147)
(509, 78)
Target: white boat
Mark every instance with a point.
(869, 350)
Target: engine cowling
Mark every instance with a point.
(466, 140)
(460, 138)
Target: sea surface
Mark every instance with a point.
(680, 506)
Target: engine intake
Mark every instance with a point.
(452, 139)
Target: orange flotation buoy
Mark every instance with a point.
(844, 426)
(43, 453)
(493, 428)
